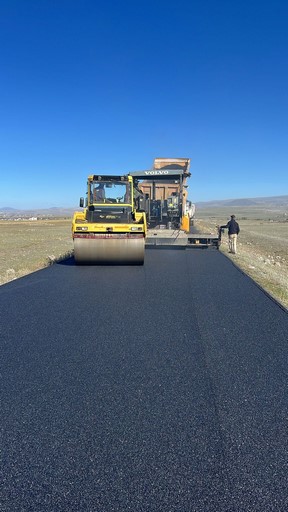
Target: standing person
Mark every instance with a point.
(233, 232)
(99, 193)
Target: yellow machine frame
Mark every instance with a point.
(80, 223)
(111, 236)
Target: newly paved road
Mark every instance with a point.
(155, 388)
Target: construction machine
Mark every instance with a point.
(109, 230)
(162, 192)
(123, 214)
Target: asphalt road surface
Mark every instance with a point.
(154, 388)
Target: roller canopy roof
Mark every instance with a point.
(107, 177)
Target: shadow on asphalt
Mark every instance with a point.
(165, 247)
(68, 262)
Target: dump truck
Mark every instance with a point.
(109, 230)
(162, 193)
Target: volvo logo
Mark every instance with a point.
(156, 172)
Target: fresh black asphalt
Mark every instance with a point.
(154, 388)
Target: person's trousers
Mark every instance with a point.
(233, 243)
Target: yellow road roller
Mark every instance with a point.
(109, 230)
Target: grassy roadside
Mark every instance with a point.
(27, 246)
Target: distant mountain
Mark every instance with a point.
(54, 211)
(264, 202)
(274, 202)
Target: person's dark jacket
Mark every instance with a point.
(233, 227)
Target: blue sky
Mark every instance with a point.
(105, 86)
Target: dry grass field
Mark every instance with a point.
(27, 246)
(262, 245)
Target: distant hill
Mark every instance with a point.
(7, 212)
(280, 202)
(275, 203)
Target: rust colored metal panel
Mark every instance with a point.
(163, 190)
(172, 163)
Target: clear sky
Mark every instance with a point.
(105, 86)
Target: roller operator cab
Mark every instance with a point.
(109, 230)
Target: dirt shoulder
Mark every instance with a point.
(27, 246)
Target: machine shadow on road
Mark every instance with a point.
(67, 262)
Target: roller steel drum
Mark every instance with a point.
(109, 249)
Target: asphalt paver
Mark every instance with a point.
(154, 388)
